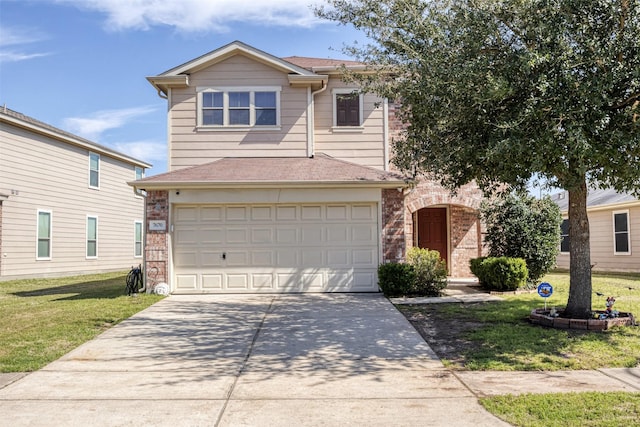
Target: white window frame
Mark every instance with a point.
(628, 232)
(561, 252)
(91, 170)
(135, 238)
(50, 237)
(86, 251)
(225, 109)
(342, 91)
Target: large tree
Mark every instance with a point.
(498, 91)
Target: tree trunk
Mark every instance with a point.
(579, 304)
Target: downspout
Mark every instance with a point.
(311, 146)
(385, 136)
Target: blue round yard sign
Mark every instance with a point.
(545, 290)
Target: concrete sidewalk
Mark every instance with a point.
(273, 360)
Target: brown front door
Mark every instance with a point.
(432, 230)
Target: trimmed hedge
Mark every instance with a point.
(500, 273)
(424, 274)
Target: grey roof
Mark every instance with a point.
(9, 115)
(596, 197)
(321, 169)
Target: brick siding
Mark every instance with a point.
(393, 230)
(156, 247)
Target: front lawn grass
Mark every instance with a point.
(589, 409)
(501, 338)
(42, 319)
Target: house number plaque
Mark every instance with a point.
(158, 225)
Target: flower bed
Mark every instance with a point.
(540, 316)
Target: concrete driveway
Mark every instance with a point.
(250, 360)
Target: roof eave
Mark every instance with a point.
(316, 81)
(163, 83)
(610, 207)
(174, 185)
(78, 142)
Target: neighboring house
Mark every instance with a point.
(65, 206)
(614, 225)
(280, 181)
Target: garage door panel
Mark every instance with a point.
(237, 281)
(186, 282)
(364, 257)
(211, 213)
(262, 235)
(276, 248)
(364, 212)
(261, 258)
(211, 236)
(236, 213)
(262, 281)
(212, 281)
(185, 258)
(210, 259)
(286, 258)
(261, 213)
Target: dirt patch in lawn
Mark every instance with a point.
(446, 337)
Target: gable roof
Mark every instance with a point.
(23, 121)
(179, 76)
(321, 170)
(596, 198)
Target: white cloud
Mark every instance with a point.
(95, 124)
(153, 152)
(17, 38)
(200, 15)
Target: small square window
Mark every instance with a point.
(347, 107)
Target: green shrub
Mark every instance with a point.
(430, 271)
(520, 226)
(396, 279)
(475, 266)
(500, 273)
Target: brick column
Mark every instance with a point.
(393, 240)
(157, 243)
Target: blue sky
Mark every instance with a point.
(80, 65)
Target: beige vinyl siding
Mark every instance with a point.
(364, 147)
(191, 145)
(39, 172)
(602, 249)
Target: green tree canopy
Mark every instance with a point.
(499, 90)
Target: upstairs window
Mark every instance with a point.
(564, 236)
(347, 108)
(139, 173)
(622, 245)
(239, 107)
(94, 170)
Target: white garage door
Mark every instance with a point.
(275, 248)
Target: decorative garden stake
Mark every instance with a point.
(545, 290)
(610, 312)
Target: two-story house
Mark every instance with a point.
(65, 206)
(614, 221)
(280, 181)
